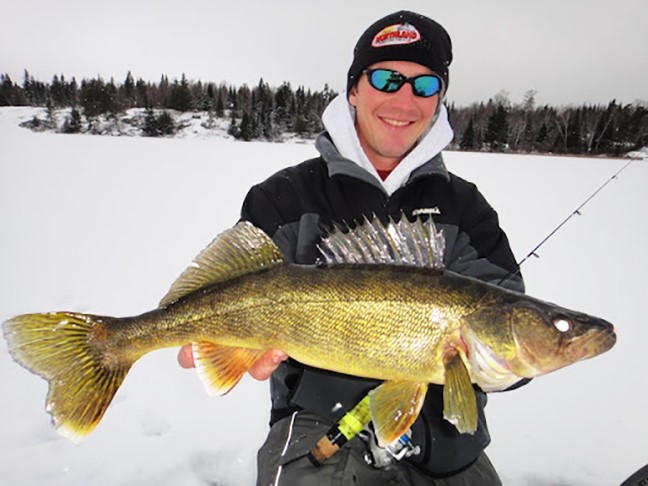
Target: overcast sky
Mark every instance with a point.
(569, 51)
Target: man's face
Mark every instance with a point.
(390, 124)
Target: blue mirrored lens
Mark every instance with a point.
(426, 85)
(386, 80)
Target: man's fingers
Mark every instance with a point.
(267, 363)
(185, 357)
(260, 370)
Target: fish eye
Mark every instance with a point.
(562, 324)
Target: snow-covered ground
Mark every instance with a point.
(105, 224)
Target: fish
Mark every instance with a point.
(378, 304)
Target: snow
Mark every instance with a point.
(105, 224)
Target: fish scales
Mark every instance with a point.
(376, 322)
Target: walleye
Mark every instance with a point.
(379, 305)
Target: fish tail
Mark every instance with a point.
(72, 352)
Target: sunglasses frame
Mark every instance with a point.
(402, 79)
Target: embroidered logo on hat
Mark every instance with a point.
(396, 34)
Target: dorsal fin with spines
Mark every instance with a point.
(405, 243)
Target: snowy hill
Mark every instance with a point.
(132, 123)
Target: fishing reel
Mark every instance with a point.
(383, 457)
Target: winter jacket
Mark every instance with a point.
(298, 205)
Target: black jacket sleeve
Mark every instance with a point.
(480, 248)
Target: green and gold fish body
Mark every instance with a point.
(405, 324)
(372, 321)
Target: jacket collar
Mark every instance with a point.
(340, 148)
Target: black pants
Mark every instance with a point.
(282, 461)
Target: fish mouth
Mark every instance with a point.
(599, 338)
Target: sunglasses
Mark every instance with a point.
(389, 81)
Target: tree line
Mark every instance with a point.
(498, 125)
(264, 112)
(258, 112)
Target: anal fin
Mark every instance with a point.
(394, 406)
(221, 367)
(459, 401)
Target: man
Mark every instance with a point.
(380, 154)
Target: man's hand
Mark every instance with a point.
(266, 364)
(185, 357)
(260, 370)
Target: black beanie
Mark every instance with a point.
(403, 36)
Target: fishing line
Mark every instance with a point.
(576, 211)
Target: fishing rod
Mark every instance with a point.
(576, 212)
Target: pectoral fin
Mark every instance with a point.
(459, 401)
(221, 367)
(394, 407)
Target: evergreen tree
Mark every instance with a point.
(233, 129)
(248, 128)
(57, 92)
(72, 123)
(111, 99)
(563, 121)
(220, 104)
(209, 103)
(232, 99)
(26, 85)
(51, 122)
(637, 126)
(180, 97)
(128, 96)
(301, 126)
(631, 129)
(284, 101)
(497, 129)
(198, 96)
(97, 97)
(528, 134)
(72, 93)
(158, 125)
(142, 98)
(158, 97)
(36, 92)
(468, 137)
(262, 114)
(573, 140)
(91, 93)
(543, 136)
(7, 90)
(28, 89)
(243, 100)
